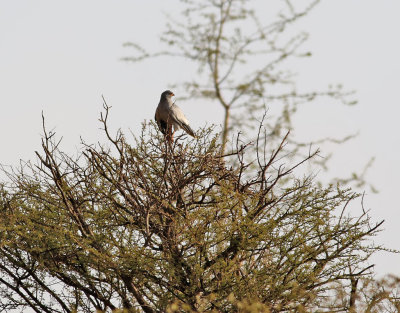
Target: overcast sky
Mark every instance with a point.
(61, 56)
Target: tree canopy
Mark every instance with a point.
(145, 226)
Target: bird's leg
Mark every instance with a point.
(170, 135)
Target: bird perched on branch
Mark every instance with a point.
(169, 115)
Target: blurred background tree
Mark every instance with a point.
(243, 60)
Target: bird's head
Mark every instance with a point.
(167, 94)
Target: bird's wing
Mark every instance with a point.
(162, 125)
(179, 118)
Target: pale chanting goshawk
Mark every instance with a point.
(169, 115)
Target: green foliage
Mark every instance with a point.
(147, 226)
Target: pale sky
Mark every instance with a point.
(61, 56)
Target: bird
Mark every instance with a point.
(169, 115)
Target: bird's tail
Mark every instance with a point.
(187, 129)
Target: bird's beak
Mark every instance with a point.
(173, 95)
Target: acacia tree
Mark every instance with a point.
(149, 227)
